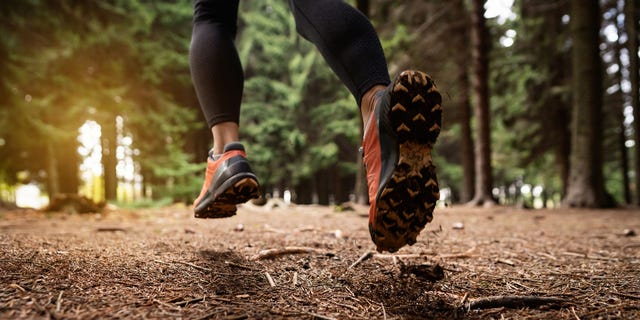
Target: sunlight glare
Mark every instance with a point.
(29, 196)
(501, 9)
(90, 149)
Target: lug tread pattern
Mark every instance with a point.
(407, 200)
(224, 205)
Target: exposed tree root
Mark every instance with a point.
(513, 302)
(272, 253)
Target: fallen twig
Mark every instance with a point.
(271, 282)
(586, 256)
(185, 263)
(17, 286)
(194, 266)
(362, 258)
(272, 253)
(166, 304)
(464, 298)
(573, 310)
(354, 308)
(546, 255)
(184, 303)
(59, 301)
(506, 261)
(626, 295)
(304, 229)
(512, 302)
(274, 230)
(112, 229)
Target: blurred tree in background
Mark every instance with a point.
(300, 125)
(73, 61)
(124, 65)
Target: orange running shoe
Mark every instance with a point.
(229, 181)
(397, 144)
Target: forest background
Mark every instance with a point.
(96, 99)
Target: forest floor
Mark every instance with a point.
(313, 262)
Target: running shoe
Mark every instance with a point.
(229, 181)
(397, 145)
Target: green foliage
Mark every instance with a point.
(65, 62)
(530, 99)
(295, 113)
(68, 62)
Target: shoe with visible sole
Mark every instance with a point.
(229, 181)
(397, 146)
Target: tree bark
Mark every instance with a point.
(466, 141)
(586, 185)
(466, 134)
(480, 87)
(67, 165)
(109, 161)
(52, 171)
(631, 26)
(619, 106)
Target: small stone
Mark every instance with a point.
(458, 226)
(239, 227)
(629, 233)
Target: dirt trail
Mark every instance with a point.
(162, 263)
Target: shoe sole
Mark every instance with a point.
(224, 205)
(408, 197)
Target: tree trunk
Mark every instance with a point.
(52, 171)
(68, 165)
(586, 186)
(321, 186)
(631, 24)
(461, 38)
(304, 192)
(619, 105)
(109, 161)
(466, 141)
(624, 160)
(480, 87)
(562, 152)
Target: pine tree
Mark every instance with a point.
(480, 65)
(586, 186)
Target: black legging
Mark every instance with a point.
(344, 36)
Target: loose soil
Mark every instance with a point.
(162, 263)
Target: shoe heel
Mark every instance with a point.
(407, 201)
(416, 112)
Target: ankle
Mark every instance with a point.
(223, 133)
